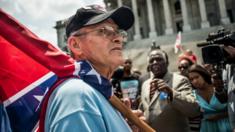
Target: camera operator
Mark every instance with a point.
(219, 50)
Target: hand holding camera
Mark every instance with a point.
(217, 48)
(217, 82)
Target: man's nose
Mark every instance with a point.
(155, 62)
(118, 39)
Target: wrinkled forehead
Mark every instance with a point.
(157, 54)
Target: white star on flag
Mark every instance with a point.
(177, 45)
(93, 72)
(38, 97)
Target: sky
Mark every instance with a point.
(40, 16)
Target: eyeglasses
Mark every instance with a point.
(156, 59)
(184, 67)
(106, 31)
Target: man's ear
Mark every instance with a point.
(74, 45)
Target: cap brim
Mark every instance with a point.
(122, 16)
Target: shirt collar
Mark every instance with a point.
(89, 75)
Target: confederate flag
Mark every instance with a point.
(28, 67)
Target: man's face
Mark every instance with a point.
(101, 45)
(183, 67)
(127, 64)
(157, 63)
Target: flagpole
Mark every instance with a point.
(126, 112)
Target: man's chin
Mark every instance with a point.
(117, 60)
(158, 74)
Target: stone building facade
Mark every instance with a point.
(160, 20)
(165, 17)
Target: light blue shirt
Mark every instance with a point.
(75, 106)
(4, 121)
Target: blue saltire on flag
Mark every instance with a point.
(23, 112)
(23, 83)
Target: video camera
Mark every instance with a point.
(213, 51)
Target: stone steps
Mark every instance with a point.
(137, 50)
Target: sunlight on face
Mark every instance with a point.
(157, 63)
(100, 49)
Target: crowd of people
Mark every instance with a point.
(191, 99)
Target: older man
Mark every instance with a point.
(167, 98)
(95, 38)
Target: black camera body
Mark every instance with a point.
(213, 54)
(212, 49)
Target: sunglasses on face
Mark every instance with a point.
(156, 59)
(183, 67)
(106, 31)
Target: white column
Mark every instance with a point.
(119, 3)
(186, 26)
(137, 25)
(168, 19)
(204, 22)
(223, 14)
(152, 32)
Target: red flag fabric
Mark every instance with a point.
(17, 69)
(23, 83)
(28, 67)
(177, 45)
(41, 51)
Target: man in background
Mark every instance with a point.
(167, 98)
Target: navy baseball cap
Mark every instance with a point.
(122, 16)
